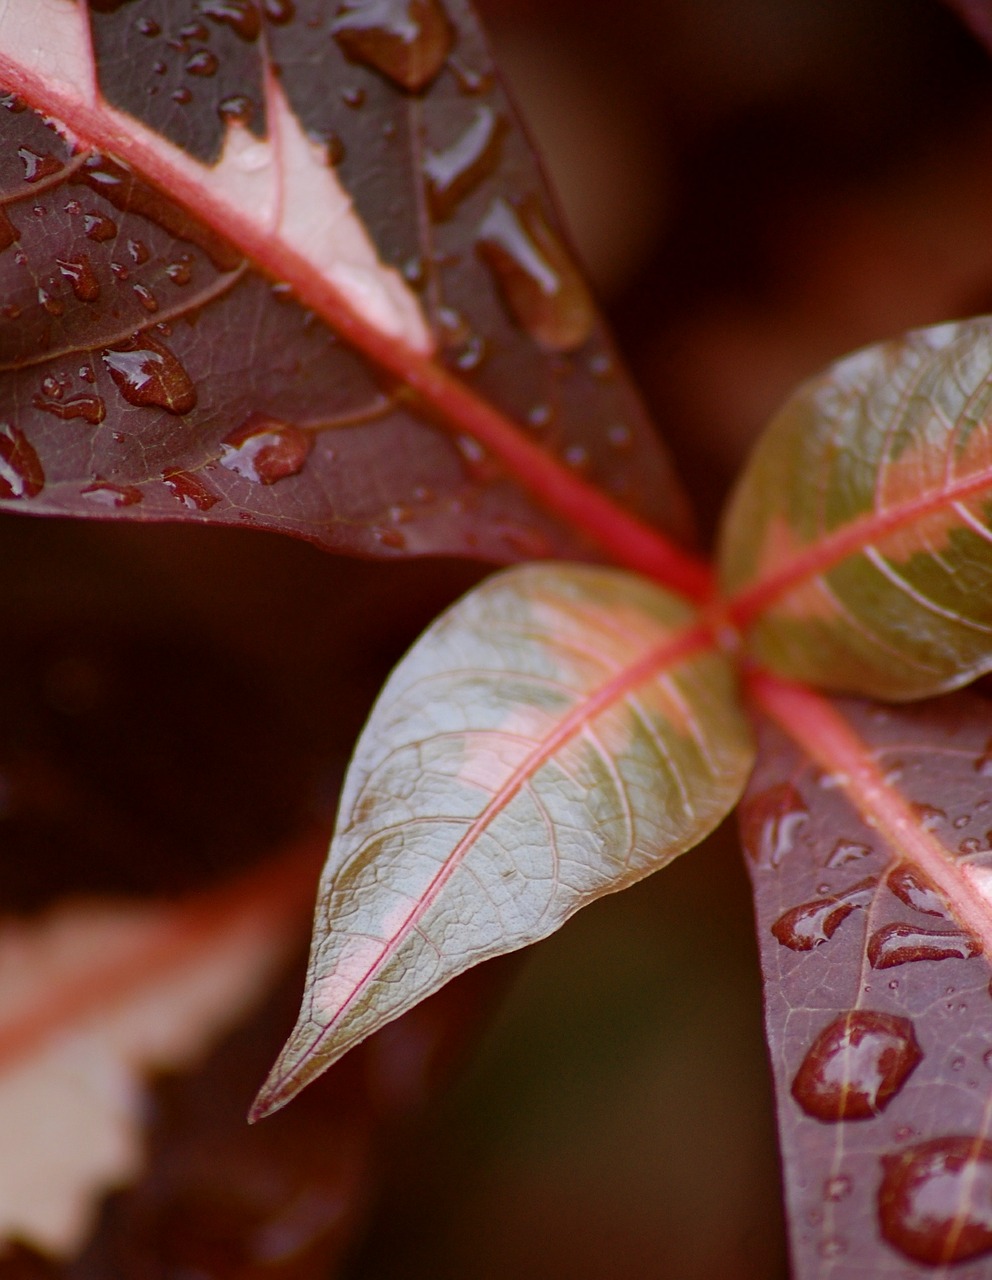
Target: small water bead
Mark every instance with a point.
(202, 63)
(457, 170)
(771, 822)
(38, 166)
(99, 228)
(408, 41)
(353, 97)
(620, 437)
(190, 31)
(145, 297)
(812, 923)
(183, 96)
(53, 305)
(969, 846)
(845, 851)
(120, 271)
(241, 16)
(265, 449)
(279, 12)
(895, 944)
(539, 415)
(832, 1247)
(21, 474)
(190, 490)
(148, 374)
(856, 1066)
(138, 251)
(935, 1199)
(928, 816)
(535, 275)
(148, 27)
(961, 821)
(837, 1188)
(576, 456)
(106, 494)
(910, 886)
(238, 108)
(81, 277)
(181, 272)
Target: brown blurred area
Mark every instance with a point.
(756, 187)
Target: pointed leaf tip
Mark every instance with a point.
(558, 734)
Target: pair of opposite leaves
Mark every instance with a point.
(565, 730)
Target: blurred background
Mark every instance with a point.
(755, 187)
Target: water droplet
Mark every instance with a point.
(893, 773)
(38, 166)
(112, 495)
(391, 538)
(458, 169)
(961, 821)
(145, 297)
(99, 228)
(54, 306)
(576, 456)
(845, 851)
(352, 97)
(90, 408)
(147, 373)
(837, 1188)
(770, 823)
(264, 449)
(191, 31)
(928, 817)
(903, 943)
(539, 282)
(469, 80)
(969, 846)
(202, 63)
(180, 272)
(236, 109)
(279, 11)
(856, 1066)
(471, 353)
(8, 232)
(241, 16)
(21, 474)
(539, 415)
(408, 41)
(139, 251)
(81, 277)
(190, 490)
(120, 271)
(620, 437)
(935, 1200)
(832, 1247)
(911, 887)
(148, 27)
(812, 923)
(957, 1064)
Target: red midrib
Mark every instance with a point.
(619, 533)
(744, 607)
(673, 651)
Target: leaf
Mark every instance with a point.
(294, 267)
(976, 14)
(868, 836)
(858, 543)
(98, 993)
(557, 735)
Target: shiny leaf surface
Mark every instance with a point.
(867, 830)
(295, 267)
(558, 734)
(859, 543)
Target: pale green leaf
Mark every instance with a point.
(558, 734)
(858, 547)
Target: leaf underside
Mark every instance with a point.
(179, 320)
(858, 548)
(869, 839)
(558, 734)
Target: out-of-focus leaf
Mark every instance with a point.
(294, 266)
(558, 734)
(976, 14)
(859, 543)
(868, 831)
(96, 993)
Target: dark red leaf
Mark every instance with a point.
(877, 1010)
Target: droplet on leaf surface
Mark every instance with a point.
(770, 823)
(812, 923)
(265, 449)
(21, 474)
(148, 374)
(455, 171)
(904, 944)
(408, 41)
(935, 1200)
(910, 887)
(856, 1066)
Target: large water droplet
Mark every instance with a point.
(38, 166)
(903, 943)
(406, 40)
(99, 228)
(90, 408)
(264, 449)
(935, 1200)
(808, 925)
(190, 490)
(845, 851)
(458, 169)
(112, 495)
(241, 16)
(81, 277)
(770, 823)
(536, 276)
(147, 373)
(911, 887)
(856, 1066)
(21, 474)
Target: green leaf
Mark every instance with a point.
(558, 734)
(859, 542)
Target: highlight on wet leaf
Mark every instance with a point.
(98, 993)
(858, 546)
(558, 734)
(329, 223)
(868, 835)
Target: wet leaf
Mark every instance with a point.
(558, 734)
(294, 267)
(872, 826)
(97, 993)
(859, 543)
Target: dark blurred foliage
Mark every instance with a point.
(756, 186)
